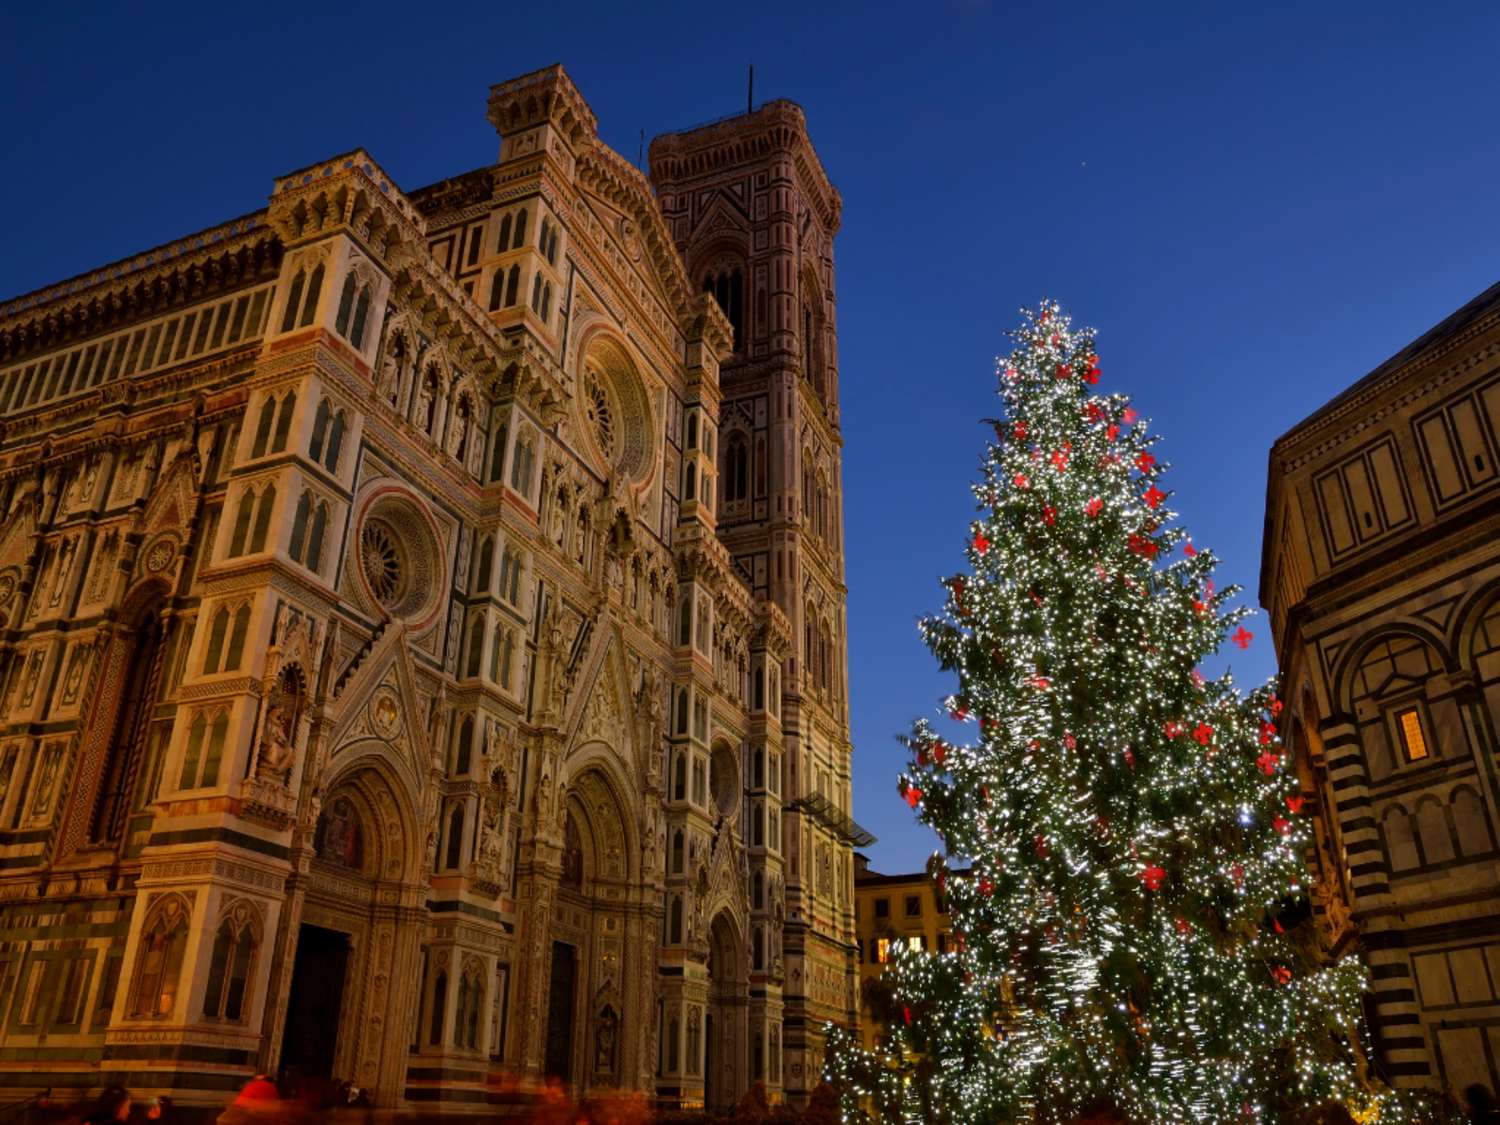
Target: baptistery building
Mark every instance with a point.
(422, 642)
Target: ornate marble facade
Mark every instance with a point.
(1382, 581)
(423, 652)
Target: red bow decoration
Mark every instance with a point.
(1238, 871)
(1143, 546)
(1093, 507)
(1242, 637)
(981, 544)
(1184, 927)
(1153, 876)
(1129, 416)
(1093, 411)
(1019, 430)
(1064, 370)
(1294, 803)
(986, 886)
(1153, 496)
(1049, 514)
(1189, 550)
(1060, 459)
(1144, 462)
(1130, 758)
(1041, 683)
(1203, 733)
(1112, 431)
(913, 796)
(1021, 481)
(939, 751)
(1282, 974)
(1267, 762)
(1281, 824)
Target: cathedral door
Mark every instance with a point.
(560, 1012)
(725, 1069)
(312, 1018)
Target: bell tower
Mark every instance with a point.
(754, 216)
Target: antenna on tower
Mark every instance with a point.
(640, 151)
(750, 93)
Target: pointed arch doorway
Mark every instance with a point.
(725, 1027)
(351, 1002)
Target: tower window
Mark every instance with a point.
(1413, 741)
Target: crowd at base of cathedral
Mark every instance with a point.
(422, 643)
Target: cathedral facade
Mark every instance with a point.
(423, 653)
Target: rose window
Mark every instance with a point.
(382, 562)
(600, 414)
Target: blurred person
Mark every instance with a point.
(112, 1106)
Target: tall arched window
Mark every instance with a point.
(455, 838)
(497, 455)
(346, 306)
(497, 289)
(476, 646)
(728, 288)
(521, 466)
(736, 469)
(127, 725)
(263, 519)
(314, 290)
(361, 317)
(263, 427)
(464, 748)
(464, 422)
(229, 971)
(520, 230)
(214, 652)
(482, 571)
(284, 422)
(314, 557)
(320, 431)
(299, 526)
(512, 285)
(293, 302)
(674, 926)
(335, 442)
(502, 243)
(677, 852)
(159, 962)
(193, 754)
(236, 647)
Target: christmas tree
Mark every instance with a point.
(1129, 932)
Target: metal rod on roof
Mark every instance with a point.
(750, 93)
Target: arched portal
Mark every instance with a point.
(351, 995)
(725, 1033)
(589, 999)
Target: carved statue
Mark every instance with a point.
(604, 1040)
(277, 753)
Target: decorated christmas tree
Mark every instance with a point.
(1123, 834)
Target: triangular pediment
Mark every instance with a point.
(174, 500)
(380, 702)
(602, 712)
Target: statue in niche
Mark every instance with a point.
(283, 710)
(339, 839)
(604, 1040)
(572, 875)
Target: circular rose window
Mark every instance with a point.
(398, 557)
(612, 411)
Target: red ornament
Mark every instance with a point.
(1010, 373)
(1281, 824)
(1184, 927)
(939, 751)
(1112, 431)
(1144, 462)
(1143, 546)
(1267, 762)
(1242, 637)
(1045, 315)
(1153, 876)
(1019, 430)
(1275, 705)
(1203, 733)
(1153, 496)
(906, 1014)
(1198, 680)
(986, 886)
(1093, 361)
(1173, 729)
(1238, 871)
(1092, 378)
(1093, 507)
(1041, 845)
(1063, 369)
(1093, 411)
(1070, 742)
(1049, 514)
(1130, 757)
(1199, 608)
(1276, 926)
(1021, 481)
(1294, 803)
(1060, 459)
(1129, 416)
(1189, 550)
(1267, 734)
(1041, 683)
(913, 796)
(981, 544)
(1282, 974)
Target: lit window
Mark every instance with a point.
(916, 942)
(882, 950)
(1412, 737)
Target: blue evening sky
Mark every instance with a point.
(1255, 205)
